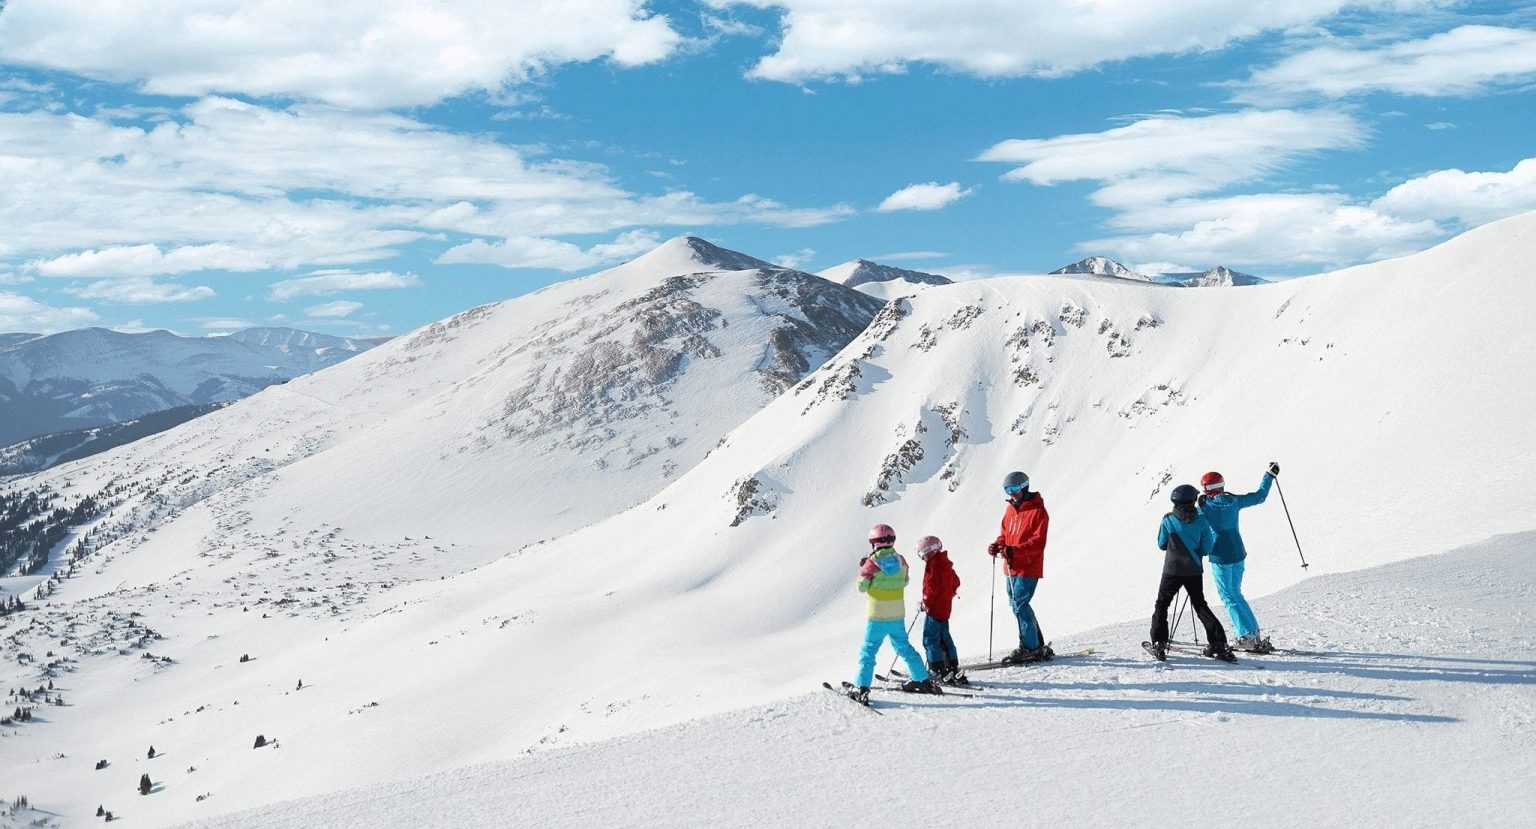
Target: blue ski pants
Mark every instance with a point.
(939, 645)
(875, 635)
(1229, 586)
(1021, 589)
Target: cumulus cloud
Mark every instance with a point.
(837, 39)
(527, 252)
(1278, 229)
(147, 260)
(1163, 177)
(1467, 198)
(328, 282)
(796, 259)
(355, 53)
(20, 313)
(231, 185)
(1467, 60)
(140, 291)
(1169, 156)
(929, 196)
(339, 308)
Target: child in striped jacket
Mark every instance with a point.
(883, 577)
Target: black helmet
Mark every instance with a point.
(1015, 482)
(1185, 494)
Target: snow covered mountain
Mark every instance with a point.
(1100, 266)
(1220, 276)
(365, 530)
(883, 281)
(94, 376)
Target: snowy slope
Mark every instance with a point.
(732, 586)
(883, 281)
(1420, 712)
(93, 376)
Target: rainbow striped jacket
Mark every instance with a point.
(884, 577)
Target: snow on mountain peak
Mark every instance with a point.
(862, 272)
(690, 254)
(1102, 266)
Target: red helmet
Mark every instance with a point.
(882, 534)
(1212, 483)
(929, 544)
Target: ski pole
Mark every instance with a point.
(1289, 521)
(910, 625)
(992, 612)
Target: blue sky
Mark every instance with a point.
(368, 167)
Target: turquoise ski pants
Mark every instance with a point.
(1229, 586)
(875, 635)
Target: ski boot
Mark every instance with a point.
(927, 686)
(859, 694)
(1223, 653)
(1159, 650)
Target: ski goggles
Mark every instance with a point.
(1015, 489)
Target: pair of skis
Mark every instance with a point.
(846, 691)
(1161, 654)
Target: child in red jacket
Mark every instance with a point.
(939, 585)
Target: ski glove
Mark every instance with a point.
(994, 549)
(1274, 469)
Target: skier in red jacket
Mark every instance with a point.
(1021, 546)
(939, 585)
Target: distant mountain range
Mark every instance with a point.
(1219, 276)
(883, 281)
(94, 376)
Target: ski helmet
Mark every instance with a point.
(929, 544)
(1213, 483)
(1185, 494)
(882, 534)
(1015, 482)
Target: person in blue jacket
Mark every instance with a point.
(1220, 508)
(1185, 539)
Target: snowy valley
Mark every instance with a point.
(636, 501)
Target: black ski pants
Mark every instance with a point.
(1194, 586)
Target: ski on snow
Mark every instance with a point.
(845, 695)
(996, 664)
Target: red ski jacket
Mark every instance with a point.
(939, 585)
(1023, 538)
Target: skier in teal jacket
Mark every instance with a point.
(1221, 508)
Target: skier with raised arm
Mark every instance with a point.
(1021, 546)
(1221, 508)
(883, 576)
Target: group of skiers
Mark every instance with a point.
(1202, 526)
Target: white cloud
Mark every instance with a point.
(1169, 156)
(1278, 229)
(1468, 198)
(796, 259)
(19, 313)
(930, 196)
(224, 324)
(14, 278)
(141, 291)
(356, 53)
(147, 260)
(339, 308)
(238, 186)
(1468, 60)
(528, 252)
(1440, 125)
(1009, 38)
(1159, 175)
(326, 283)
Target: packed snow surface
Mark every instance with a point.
(1414, 705)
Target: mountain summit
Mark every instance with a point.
(690, 254)
(1220, 276)
(1101, 266)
